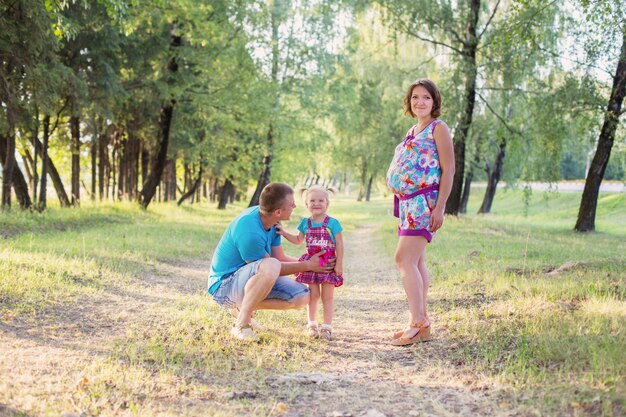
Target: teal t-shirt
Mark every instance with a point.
(333, 226)
(245, 240)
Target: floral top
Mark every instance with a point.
(415, 164)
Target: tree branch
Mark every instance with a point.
(410, 32)
(584, 64)
(509, 128)
(495, 9)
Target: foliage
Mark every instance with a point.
(328, 84)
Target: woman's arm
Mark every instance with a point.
(445, 149)
(339, 252)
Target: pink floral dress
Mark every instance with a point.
(317, 239)
(413, 177)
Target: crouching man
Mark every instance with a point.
(249, 266)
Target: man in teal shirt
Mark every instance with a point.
(249, 264)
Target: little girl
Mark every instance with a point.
(321, 232)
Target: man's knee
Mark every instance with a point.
(269, 269)
(301, 301)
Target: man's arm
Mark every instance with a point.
(339, 252)
(290, 265)
(279, 253)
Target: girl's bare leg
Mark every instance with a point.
(313, 301)
(328, 291)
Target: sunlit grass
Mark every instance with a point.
(561, 333)
(557, 337)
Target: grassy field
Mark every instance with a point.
(103, 311)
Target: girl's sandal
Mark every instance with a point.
(326, 333)
(422, 335)
(312, 331)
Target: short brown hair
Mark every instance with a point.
(432, 89)
(273, 196)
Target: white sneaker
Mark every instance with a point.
(253, 323)
(244, 333)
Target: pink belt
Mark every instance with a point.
(396, 199)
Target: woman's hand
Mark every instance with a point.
(279, 229)
(436, 218)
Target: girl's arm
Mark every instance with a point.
(339, 252)
(445, 149)
(295, 239)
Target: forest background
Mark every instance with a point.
(185, 100)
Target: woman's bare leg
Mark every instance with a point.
(408, 253)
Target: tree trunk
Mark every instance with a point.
(466, 191)
(369, 188)
(41, 205)
(121, 171)
(48, 168)
(19, 183)
(133, 175)
(128, 172)
(169, 180)
(266, 172)
(232, 194)
(362, 184)
(467, 188)
(94, 166)
(150, 185)
(470, 46)
(225, 193)
(8, 167)
(165, 123)
(29, 165)
(145, 163)
(215, 189)
(187, 181)
(493, 177)
(35, 182)
(103, 163)
(589, 201)
(193, 188)
(75, 148)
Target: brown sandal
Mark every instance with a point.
(422, 335)
(312, 331)
(399, 333)
(326, 333)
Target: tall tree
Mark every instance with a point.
(609, 23)
(456, 27)
(295, 37)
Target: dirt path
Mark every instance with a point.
(364, 376)
(367, 375)
(51, 350)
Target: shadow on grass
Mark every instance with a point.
(40, 223)
(8, 411)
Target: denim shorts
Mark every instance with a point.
(231, 291)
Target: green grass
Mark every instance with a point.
(558, 339)
(561, 335)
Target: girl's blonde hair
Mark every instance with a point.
(315, 187)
